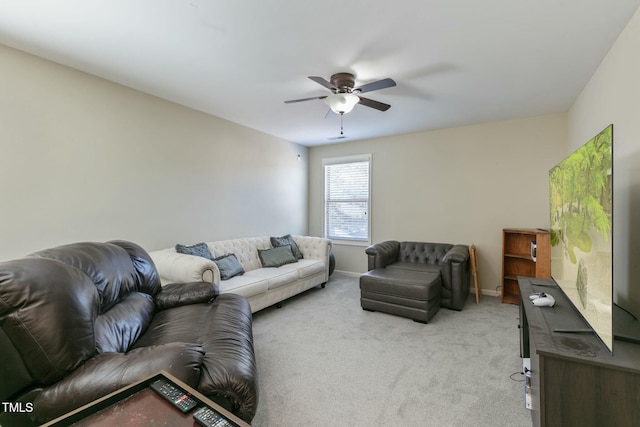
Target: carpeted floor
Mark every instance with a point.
(323, 361)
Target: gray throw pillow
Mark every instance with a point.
(284, 241)
(199, 249)
(229, 266)
(275, 257)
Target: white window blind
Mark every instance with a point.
(346, 199)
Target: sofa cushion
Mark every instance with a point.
(287, 240)
(277, 277)
(117, 329)
(109, 267)
(199, 249)
(33, 289)
(148, 278)
(307, 267)
(247, 285)
(275, 257)
(229, 375)
(229, 266)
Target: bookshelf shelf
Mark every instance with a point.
(517, 259)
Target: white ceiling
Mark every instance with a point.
(456, 62)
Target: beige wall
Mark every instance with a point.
(613, 96)
(460, 185)
(86, 159)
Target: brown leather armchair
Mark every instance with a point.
(448, 260)
(80, 321)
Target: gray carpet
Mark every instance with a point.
(323, 361)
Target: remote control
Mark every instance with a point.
(176, 396)
(207, 417)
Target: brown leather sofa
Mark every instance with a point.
(451, 262)
(82, 320)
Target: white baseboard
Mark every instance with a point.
(487, 292)
(348, 273)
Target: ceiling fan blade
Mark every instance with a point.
(380, 84)
(323, 82)
(374, 104)
(304, 99)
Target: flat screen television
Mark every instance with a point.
(581, 226)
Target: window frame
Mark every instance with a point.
(358, 158)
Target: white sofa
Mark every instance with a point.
(261, 286)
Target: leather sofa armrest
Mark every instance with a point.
(174, 267)
(458, 253)
(382, 254)
(107, 372)
(230, 377)
(177, 294)
(456, 275)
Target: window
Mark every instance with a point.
(346, 198)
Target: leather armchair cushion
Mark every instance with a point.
(229, 374)
(107, 372)
(108, 266)
(117, 329)
(148, 279)
(20, 378)
(177, 294)
(35, 289)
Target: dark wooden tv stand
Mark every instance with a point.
(575, 380)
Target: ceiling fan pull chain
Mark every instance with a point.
(341, 119)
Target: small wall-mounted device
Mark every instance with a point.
(533, 250)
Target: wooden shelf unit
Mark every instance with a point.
(517, 260)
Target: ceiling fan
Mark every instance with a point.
(344, 95)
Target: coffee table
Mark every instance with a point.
(139, 405)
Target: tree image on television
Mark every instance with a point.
(581, 210)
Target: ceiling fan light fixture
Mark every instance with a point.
(342, 103)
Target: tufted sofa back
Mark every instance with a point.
(245, 249)
(73, 301)
(420, 252)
